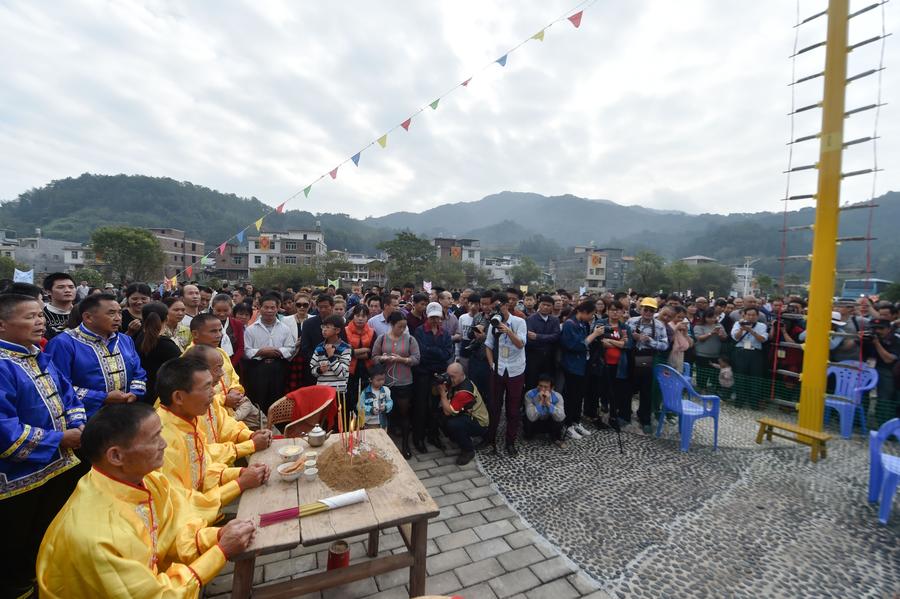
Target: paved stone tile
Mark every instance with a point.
(353, 590)
(467, 521)
(583, 583)
(392, 579)
(460, 485)
(520, 558)
(393, 593)
(442, 584)
(289, 567)
(437, 529)
(456, 539)
(497, 499)
(474, 505)
(446, 460)
(262, 560)
(450, 499)
(553, 568)
(479, 591)
(450, 511)
(520, 538)
(558, 589)
(479, 492)
(448, 560)
(514, 582)
(484, 549)
(494, 529)
(435, 481)
(481, 481)
(418, 465)
(480, 571)
(443, 470)
(500, 512)
(470, 474)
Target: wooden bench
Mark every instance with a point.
(814, 439)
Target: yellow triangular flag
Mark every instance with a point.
(259, 224)
(538, 36)
(175, 282)
(382, 141)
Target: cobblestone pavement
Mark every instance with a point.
(745, 521)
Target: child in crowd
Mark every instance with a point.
(375, 399)
(330, 362)
(726, 376)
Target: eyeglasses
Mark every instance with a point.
(303, 305)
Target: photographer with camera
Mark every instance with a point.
(505, 351)
(881, 346)
(749, 359)
(474, 326)
(463, 414)
(575, 339)
(435, 352)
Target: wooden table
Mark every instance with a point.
(402, 502)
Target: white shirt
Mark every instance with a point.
(280, 335)
(379, 324)
(511, 359)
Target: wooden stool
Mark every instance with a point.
(814, 439)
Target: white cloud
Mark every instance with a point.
(667, 105)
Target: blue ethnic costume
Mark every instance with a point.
(37, 404)
(97, 367)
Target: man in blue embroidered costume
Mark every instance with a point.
(101, 363)
(40, 425)
(126, 532)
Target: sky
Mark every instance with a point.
(667, 105)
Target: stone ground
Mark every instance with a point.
(744, 521)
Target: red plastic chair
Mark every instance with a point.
(304, 408)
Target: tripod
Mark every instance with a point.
(614, 424)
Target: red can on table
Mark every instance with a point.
(338, 555)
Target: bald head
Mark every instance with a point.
(456, 373)
(191, 298)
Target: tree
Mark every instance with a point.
(410, 257)
(766, 283)
(446, 273)
(891, 293)
(332, 267)
(132, 254)
(93, 277)
(712, 277)
(647, 274)
(526, 272)
(8, 267)
(680, 275)
(284, 276)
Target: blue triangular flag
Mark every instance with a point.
(501, 61)
(240, 237)
(355, 159)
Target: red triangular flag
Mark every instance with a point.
(466, 82)
(405, 124)
(222, 248)
(280, 209)
(576, 18)
(189, 271)
(334, 173)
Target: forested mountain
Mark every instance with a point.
(526, 223)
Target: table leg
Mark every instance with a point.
(372, 545)
(243, 578)
(759, 435)
(417, 570)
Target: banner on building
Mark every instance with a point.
(264, 243)
(456, 252)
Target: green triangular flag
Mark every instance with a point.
(538, 36)
(434, 104)
(306, 190)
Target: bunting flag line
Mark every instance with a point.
(574, 18)
(206, 261)
(189, 271)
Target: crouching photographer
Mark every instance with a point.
(463, 413)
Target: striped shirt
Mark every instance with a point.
(338, 365)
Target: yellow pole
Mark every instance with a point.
(822, 273)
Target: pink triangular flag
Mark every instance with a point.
(466, 82)
(222, 248)
(576, 18)
(334, 173)
(280, 209)
(405, 124)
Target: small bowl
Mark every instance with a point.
(312, 455)
(310, 474)
(309, 464)
(290, 453)
(290, 476)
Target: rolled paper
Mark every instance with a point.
(346, 499)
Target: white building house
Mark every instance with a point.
(299, 247)
(499, 267)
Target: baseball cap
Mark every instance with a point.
(109, 286)
(434, 309)
(836, 319)
(649, 302)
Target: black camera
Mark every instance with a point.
(745, 323)
(496, 319)
(442, 378)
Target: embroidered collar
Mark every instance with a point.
(119, 488)
(94, 336)
(19, 350)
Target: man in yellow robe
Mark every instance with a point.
(185, 393)
(206, 330)
(227, 439)
(125, 532)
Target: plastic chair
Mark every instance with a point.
(884, 468)
(673, 386)
(850, 385)
(304, 408)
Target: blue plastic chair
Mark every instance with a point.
(674, 386)
(850, 385)
(884, 468)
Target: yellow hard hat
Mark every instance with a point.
(649, 302)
